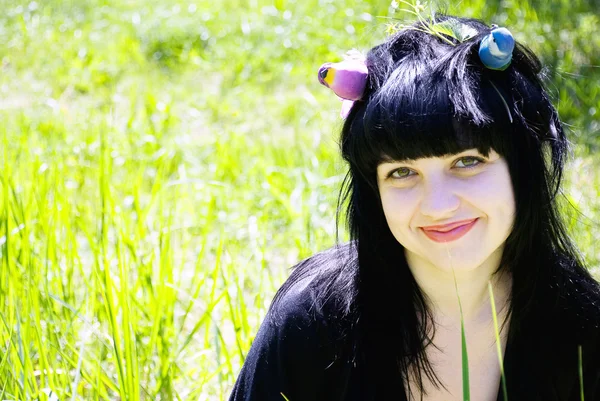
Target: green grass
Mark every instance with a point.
(163, 164)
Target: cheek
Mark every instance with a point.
(494, 194)
(399, 206)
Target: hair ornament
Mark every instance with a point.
(446, 30)
(347, 79)
(495, 49)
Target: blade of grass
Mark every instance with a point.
(108, 283)
(465, 361)
(580, 363)
(127, 326)
(498, 343)
(463, 339)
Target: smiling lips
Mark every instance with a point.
(449, 232)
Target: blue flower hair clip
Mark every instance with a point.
(496, 48)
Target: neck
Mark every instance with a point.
(444, 288)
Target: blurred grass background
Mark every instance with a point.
(163, 164)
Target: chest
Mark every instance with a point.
(445, 355)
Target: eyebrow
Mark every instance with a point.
(390, 160)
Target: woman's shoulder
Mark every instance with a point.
(580, 292)
(296, 350)
(577, 311)
(579, 325)
(319, 287)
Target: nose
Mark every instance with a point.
(439, 199)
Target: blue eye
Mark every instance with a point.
(402, 172)
(468, 161)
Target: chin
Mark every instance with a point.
(460, 261)
(457, 265)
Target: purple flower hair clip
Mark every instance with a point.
(347, 79)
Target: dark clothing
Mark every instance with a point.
(297, 355)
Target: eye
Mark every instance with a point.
(400, 173)
(468, 162)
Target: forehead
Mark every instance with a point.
(435, 136)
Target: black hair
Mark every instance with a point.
(426, 97)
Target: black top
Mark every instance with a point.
(297, 353)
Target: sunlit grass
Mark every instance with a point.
(498, 342)
(163, 164)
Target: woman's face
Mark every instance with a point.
(452, 211)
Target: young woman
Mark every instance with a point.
(455, 157)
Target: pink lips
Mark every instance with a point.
(449, 232)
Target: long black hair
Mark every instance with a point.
(426, 97)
